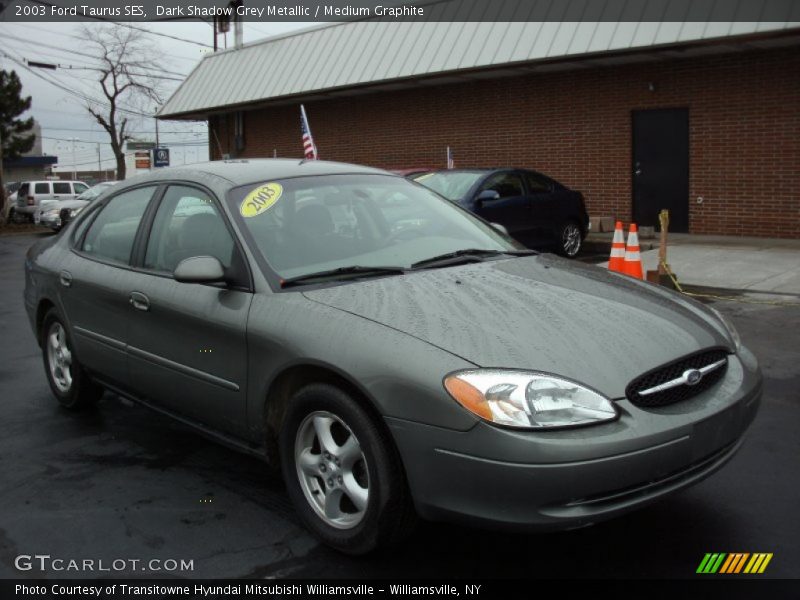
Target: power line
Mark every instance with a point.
(166, 35)
(72, 92)
(85, 54)
(193, 59)
(187, 142)
(131, 131)
(129, 26)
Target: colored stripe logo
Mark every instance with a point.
(734, 562)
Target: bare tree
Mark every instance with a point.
(125, 66)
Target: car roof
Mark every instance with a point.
(51, 181)
(242, 171)
(481, 170)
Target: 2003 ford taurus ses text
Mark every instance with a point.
(393, 353)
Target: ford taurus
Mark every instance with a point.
(395, 355)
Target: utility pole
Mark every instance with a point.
(3, 198)
(238, 26)
(156, 120)
(74, 162)
(99, 163)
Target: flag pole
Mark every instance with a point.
(308, 128)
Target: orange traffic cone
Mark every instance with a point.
(633, 260)
(617, 260)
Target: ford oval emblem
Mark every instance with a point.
(692, 376)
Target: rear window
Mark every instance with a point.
(111, 234)
(536, 183)
(23, 190)
(41, 188)
(61, 188)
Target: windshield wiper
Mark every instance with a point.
(468, 254)
(341, 271)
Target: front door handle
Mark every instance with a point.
(65, 278)
(139, 301)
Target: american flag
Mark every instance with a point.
(309, 148)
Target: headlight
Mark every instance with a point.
(53, 212)
(528, 400)
(734, 335)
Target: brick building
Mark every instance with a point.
(706, 125)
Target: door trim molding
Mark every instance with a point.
(183, 369)
(99, 337)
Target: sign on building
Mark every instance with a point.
(161, 157)
(142, 159)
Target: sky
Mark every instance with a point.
(63, 116)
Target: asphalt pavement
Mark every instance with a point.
(122, 482)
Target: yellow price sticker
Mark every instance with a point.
(260, 199)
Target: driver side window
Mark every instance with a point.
(507, 185)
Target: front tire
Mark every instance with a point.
(570, 239)
(343, 473)
(68, 380)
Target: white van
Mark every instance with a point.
(31, 193)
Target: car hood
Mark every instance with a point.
(540, 313)
(63, 204)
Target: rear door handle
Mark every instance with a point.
(65, 278)
(139, 301)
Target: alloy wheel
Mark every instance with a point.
(59, 357)
(332, 469)
(571, 239)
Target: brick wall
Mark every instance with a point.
(744, 113)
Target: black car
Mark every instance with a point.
(535, 209)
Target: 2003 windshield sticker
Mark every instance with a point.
(260, 199)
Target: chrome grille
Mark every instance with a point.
(678, 380)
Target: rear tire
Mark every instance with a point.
(570, 239)
(343, 473)
(70, 383)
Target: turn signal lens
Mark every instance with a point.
(468, 396)
(528, 400)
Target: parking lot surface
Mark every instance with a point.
(122, 482)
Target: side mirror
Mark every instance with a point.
(500, 228)
(199, 269)
(486, 196)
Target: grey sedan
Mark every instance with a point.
(394, 354)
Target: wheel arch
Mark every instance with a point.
(297, 376)
(44, 306)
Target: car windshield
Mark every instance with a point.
(453, 185)
(310, 225)
(94, 191)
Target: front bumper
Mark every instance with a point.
(572, 478)
(51, 221)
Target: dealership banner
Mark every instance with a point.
(334, 589)
(320, 11)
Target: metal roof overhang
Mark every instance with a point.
(725, 45)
